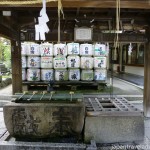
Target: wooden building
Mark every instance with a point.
(18, 19)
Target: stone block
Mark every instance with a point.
(112, 129)
(42, 120)
(3, 102)
(3, 84)
(8, 81)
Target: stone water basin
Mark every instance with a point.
(44, 119)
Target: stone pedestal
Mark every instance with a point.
(44, 120)
(112, 129)
(112, 120)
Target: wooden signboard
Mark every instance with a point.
(83, 34)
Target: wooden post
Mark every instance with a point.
(16, 66)
(147, 76)
(120, 57)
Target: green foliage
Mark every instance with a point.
(5, 54)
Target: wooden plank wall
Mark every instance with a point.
(97, 37)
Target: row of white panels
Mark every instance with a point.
(63, 62)
(48, 49)
(63, 74)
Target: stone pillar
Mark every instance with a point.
(147, 75)
(16, 66)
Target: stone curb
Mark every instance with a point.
(3, 102)
(40, 146)
(5, 83)
(6, 97)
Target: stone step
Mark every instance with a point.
(40, 146)
(5, 97)
(3, 102)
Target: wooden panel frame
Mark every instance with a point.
(86, 34)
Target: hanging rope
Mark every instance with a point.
(60, 10)
(116, 41)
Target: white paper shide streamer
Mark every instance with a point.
(42, 28)
(130, 49)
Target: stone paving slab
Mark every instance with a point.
(136, 79)
(6, 91)
(147, 128)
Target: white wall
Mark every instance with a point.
(131, 69)
(135, 70)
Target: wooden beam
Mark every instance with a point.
(64, 26)
(54, 25)
(134, 4)
(78, 11)
(16, 66)
(25, 18)
(8, 27)
(109, 24)
(147, 76)
(5, 32)
(97, 37)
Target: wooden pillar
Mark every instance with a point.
(16, 66)
(120, 57)
(147, 76)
